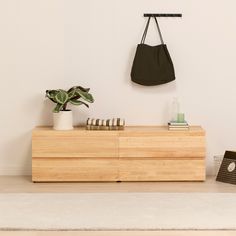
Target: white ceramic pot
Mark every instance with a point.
(63, 120)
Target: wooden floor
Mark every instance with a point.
(118, 233)
(23, 184)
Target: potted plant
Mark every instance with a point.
(62, 117)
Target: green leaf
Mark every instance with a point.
(72, 88)
(58, 108)
(77, 102)
(61, 97)
(85, 95)
(83, 89)
(71, 93)
(51, 95)
(78, 87)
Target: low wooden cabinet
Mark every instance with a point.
(138, 153)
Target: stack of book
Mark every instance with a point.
(110, 124)
(174, 125)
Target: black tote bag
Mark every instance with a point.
(152, 64)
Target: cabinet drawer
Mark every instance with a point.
(74, 169)
(74, 144)
(161, 170)
(162, 146)
(142, 153)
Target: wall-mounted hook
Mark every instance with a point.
(162, 15)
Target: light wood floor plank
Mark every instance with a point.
(117, 233)
(23, 184)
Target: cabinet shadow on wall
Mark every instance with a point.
(19, 149)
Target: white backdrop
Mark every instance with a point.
(47, 44)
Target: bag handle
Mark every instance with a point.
(146, 29)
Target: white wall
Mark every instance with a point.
(46, 44)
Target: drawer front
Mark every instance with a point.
(77, 144)
(74, 169)
(161, 170)
(162, 146)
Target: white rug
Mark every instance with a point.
(117, 211)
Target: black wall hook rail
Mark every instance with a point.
(162, 15)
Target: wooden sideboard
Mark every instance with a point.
(138, 153)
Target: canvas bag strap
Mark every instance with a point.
(146, 29)
(159, 31)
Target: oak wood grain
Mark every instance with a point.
(74, 169)
(138, 153)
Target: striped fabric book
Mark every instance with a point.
(173, 125)
(109, 124)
